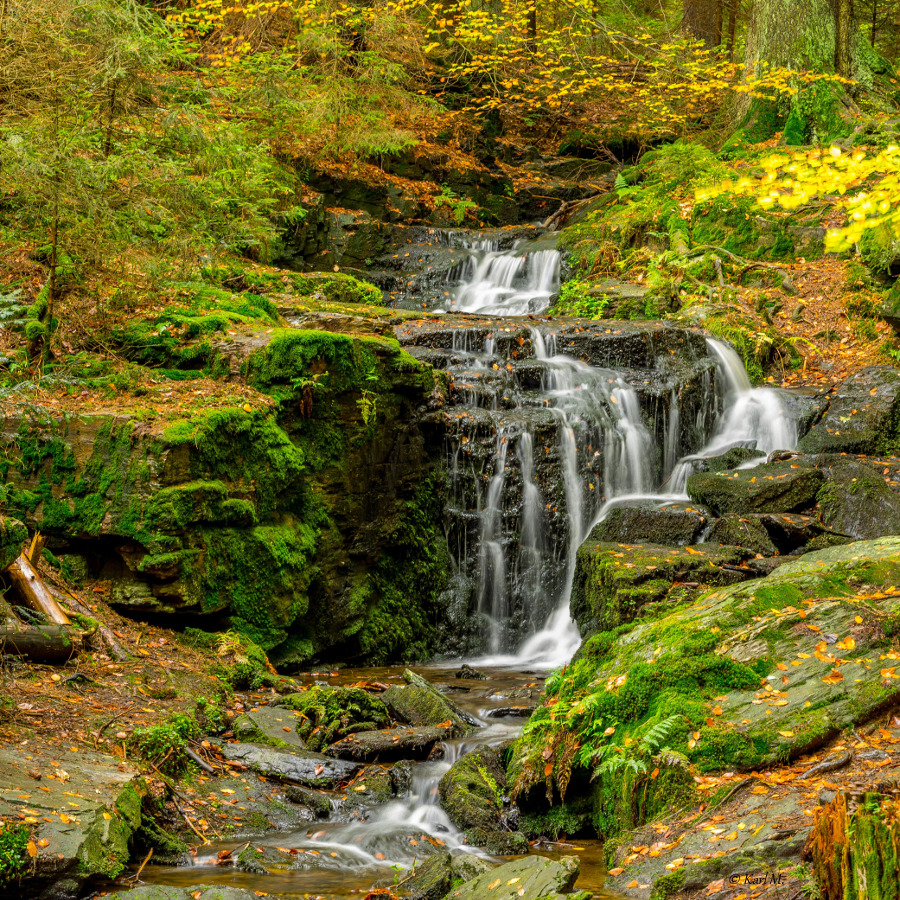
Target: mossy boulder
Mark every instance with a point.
(328, 714)
(863, 415)
(856, 501)
(420, 703)
(389, 745)
(748, 675)
(773, 487)
(473, 794)
(429, 880)
(616, 583)
(672, 524)
(372, 787)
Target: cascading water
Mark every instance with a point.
(546, 435)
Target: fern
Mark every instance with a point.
(659, 733)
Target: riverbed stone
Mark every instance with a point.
(787, 486)
(856, 501)
(372, 787)
(615, 583)
(741, 531)
(83, 811)
(420, 703)
(862, 415)
(388, 745)
(532, 878)
(302, 766)
(673, 524)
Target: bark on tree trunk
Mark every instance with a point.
(843, 58)
(854, 847)
(702, 19)
(42, 643)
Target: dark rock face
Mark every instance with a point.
(862, 417)
(300, 766)
(776, 487)
(472, 794)
(856, 501)
(741, 531)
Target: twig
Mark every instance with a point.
(137, 875)
(200, 762)
(113, 719)
(190, 824)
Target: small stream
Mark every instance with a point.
(541, 445)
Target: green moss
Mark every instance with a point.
(668, 885)
(330, 714)
(164, 744)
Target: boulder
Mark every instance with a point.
(468, 866)
(389, 745)
(862, 415)
(468, 672)
(81, 818)
(773, 487)
(472, 794)
(728, 459)
(616, 583)
(419, 703)
(301, 766)
(372, 787)
(532, 878)
(856, 501)
(741, 531)
(674, 524)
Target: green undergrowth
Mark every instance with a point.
(165, 744)
(14, 858)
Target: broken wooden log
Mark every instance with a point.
(31, 588)
(115, 649)
(39, 643)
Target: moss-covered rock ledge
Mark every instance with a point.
(297, 501)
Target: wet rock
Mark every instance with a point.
(729, 459)
(741, 531)
(263, 860)
(101, 797)
(532, 878)
(468, 672)
(270, 725)
(466, 867)
(856, 501)
(862, 415)
(419, 703)
(318, 803)
(615, 583)
(302, 766)
(510, 712)
(401, 777)
(193, 892)
(773, 487)
(430, 880)
(372, 787)
(674, 524)
(472, 794)
(791, 532)
(389, 745)
(327, 714)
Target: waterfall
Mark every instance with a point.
(506, 282)
(543, 440)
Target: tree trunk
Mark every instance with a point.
(42, 643)
(732, 27)
(854, 848)
(797, 35)
(702, 20)
(843, 43)
(34, 592)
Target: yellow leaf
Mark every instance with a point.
(786, 733)
(493, 884)
(32, 848)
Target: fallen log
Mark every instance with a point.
(41, 643)
(116, 650)
(33, 591)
